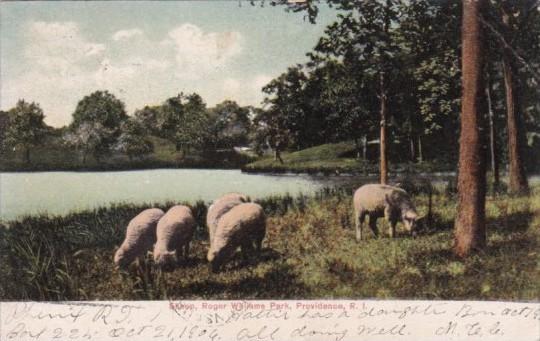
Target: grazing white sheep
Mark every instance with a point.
(382, 200)
(140, 237)
(174, 233)
(245, 226)
(219, 208)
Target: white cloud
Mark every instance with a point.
(126, 34)
(245, 91)
(65, 65)
(60, 60)
(231, 86)
(260, 81)
(199, 52)
(59, 46)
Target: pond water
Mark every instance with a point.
(59, 193)
(64, 192)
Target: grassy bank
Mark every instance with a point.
(333, 158)
(309, 252)
(52, 156)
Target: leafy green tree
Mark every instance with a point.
(193, 129)
(184, 120)
(4, 123)
(364, 34)
(429, 41)
(284, 118)
(343, 102)
(271, 131)
(26, 128)
(149, 117)
(134, 141)
(517, 31)
(102, 114)
(170, 116)
(88, 138)
(230, 124)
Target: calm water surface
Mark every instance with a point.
(59, 193)
(64, 192)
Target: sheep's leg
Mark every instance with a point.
(373, 224)
(357, 226)
(392, 220)
(186, 251)
(258, 243)
(247, 248)
(359, 217)
(393, 228)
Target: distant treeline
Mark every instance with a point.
(389, 67)
(180, 132)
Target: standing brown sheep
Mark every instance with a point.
(377, 201)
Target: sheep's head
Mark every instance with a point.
(120, 259)
(216, 258)
(210, 255)
(409, 218)
(214, 263)
(165, 258)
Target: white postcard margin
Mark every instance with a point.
(291, 320)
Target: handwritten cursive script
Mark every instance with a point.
(269, 320)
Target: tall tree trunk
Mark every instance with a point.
(420, 152)
(469, 229)
(517, 176)
(494, 158)
(384, 99)
(382, 140)
(412, 150)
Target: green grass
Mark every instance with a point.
(328, 159)
(309, 252)
(53, 156)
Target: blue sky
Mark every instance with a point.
(54, 53)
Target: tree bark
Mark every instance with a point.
(517, 182)
(412, 150)
(494, 158)
(469, 229)
(382, 140)
(420, 152)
